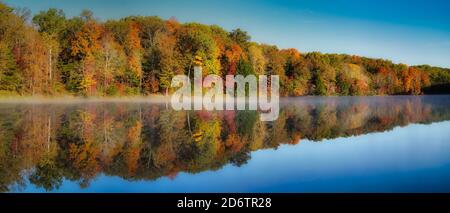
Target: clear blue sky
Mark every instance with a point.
(406, 31)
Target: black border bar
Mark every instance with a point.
(169, 201)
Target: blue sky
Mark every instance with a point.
(411, 32)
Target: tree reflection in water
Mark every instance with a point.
(46, 143)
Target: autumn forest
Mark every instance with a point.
(50, 54)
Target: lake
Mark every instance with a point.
(317, 144)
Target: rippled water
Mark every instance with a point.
(338, 144)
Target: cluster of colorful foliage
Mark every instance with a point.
(138, 55)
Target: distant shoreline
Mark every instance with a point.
(149, 99)
(74, 99)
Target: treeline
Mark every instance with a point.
(51, 54)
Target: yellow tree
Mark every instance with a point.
(111, 61)
(133, 49)
(169, 57)
(33, 61)
(257, 59)
(85, 46)
(414, 79)
(52, 50)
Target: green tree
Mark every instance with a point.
(52, 21)
(10, 80)
(320, 88)
(240, 37)
(245, 68)
(197, 40)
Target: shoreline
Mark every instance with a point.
(79, 99)
(150, 98)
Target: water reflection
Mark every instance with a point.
(45, 144)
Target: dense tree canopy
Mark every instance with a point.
(53, 54)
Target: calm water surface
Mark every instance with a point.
(339, 144)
